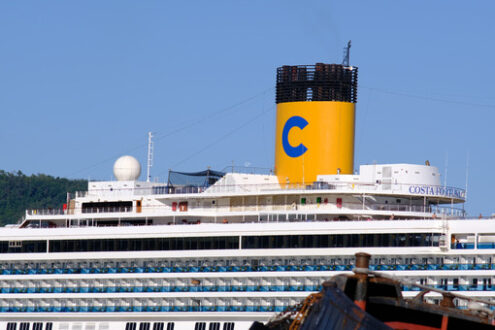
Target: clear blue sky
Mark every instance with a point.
(83, 82)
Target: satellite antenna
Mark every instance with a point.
(347, 54)
(150, 157)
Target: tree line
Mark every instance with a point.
(19, 192)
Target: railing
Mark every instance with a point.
(244, 269)
(184, 269)
(80, 194)
(107, 209)
(56, 211)
(331, 207)
(361, 189)
(454, 287)
(165, 288)
(262, 208)
(448, 211)
(279, 213)
(388, 207)
(357, 187)
(248, 170)
(144, 308)
(220, 288)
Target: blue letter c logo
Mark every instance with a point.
(291, 151)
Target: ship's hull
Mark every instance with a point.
(196, 287)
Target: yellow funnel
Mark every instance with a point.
(315, 122)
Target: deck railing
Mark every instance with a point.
(343, 186)
(257, 269)
(312, 207)
(216, 288)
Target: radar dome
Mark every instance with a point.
(126, 168)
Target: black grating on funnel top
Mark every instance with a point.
(319, 82)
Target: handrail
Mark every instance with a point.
(142, 308)
(412, 189)
(368, 205)
(243, 269)
(162, 288)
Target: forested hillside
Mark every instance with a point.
(19, 192)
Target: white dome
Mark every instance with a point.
(126, 168)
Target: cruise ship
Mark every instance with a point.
(218, 250)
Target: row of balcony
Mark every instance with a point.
(220, 288)
(137, 289)
(113, 309)
(220, 269)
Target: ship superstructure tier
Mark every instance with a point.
(219, 250)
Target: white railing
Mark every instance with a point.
(330, 208)
(406, 189)
(56, 211)
(358, 187)
(107, 209)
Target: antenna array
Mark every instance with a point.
(150, 156)
(347, 54)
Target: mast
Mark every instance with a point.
(150, 157)
(347, 54)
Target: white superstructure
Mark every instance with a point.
(242, 248)
(213, 250)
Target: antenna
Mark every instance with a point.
(347, 54)
(467, 175)
(150, 156)
(446, 169)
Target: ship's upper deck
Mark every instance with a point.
(388, 179)
(379, 192)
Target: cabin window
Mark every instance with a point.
(140, 244)
(107, 207)
(338, 241)
(228, 326)
(214, 326)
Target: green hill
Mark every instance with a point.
(19, 192)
